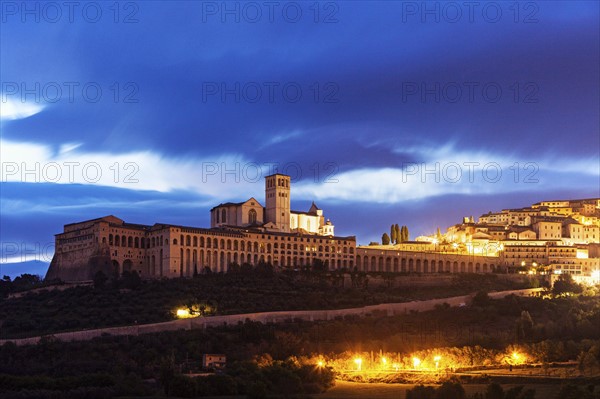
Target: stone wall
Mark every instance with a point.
(391, 309)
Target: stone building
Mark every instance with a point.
(276, 216)
(240, 233)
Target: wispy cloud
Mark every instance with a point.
(11, 109)
(280, 138)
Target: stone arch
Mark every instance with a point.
(181, 260)
(116, 268)
(251, 216)
(188, 262)
(160, 263)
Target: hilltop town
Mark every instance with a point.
(549, 237)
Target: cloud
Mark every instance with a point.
(11, 109)
(444, 170)
(221, 176)
(280, 138)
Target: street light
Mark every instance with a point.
(416, 362)
(358, 362)
(437, 361)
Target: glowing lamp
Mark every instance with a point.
(416, 362)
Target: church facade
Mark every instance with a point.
(275, 216)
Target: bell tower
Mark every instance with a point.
(277, 199)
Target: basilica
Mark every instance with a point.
(244, 232)
(275, 216)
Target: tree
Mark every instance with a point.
(167, 373)
(518, 393)
(393, 237)
(572, 391)
(420, 392)
(131, 280)
(100, 279)
(319, 266)
(26, 281)
(524, 325)
(565, 284)
(451, 390)
(406, 235)
(385, 239)
(6, 286)
(234, 268)
(494, 391)
(397, 228)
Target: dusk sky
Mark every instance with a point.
(183, 105)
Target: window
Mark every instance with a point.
(223, 216)
(251, 216)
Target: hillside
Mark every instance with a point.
(130, 301)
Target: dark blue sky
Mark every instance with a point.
(355, 100)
